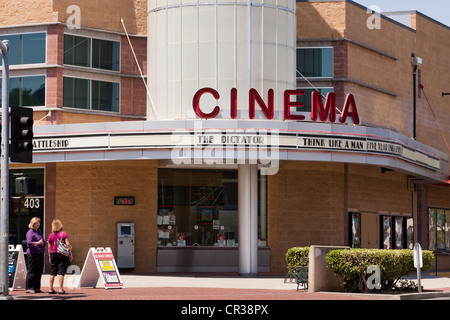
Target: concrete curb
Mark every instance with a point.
(403, 296)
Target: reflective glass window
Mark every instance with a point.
(306, 98)
(77, 50)
(76, 93)
(26, 91)
(105, 96)
(315, 62)
(105, 54)
(26, 48)
(33, 48)
(197, 208)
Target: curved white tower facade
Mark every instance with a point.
(219, 44)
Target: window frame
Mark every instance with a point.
(307, 112)
(20, 34)
(298, 76)
(20, 88)
(446, 233)
(90, 80)
(91, 38)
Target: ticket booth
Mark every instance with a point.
(125, 245)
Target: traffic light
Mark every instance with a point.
(21, 149)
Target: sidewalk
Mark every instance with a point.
(183, 287)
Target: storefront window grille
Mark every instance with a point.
(439, 229)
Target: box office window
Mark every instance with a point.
(28, 48)
(27, 91)
(197, 208)
(315, 62)
(439, 229)
(200, 208)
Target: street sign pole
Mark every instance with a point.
(418, 263)
(4, 196)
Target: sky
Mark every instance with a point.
(438, 10)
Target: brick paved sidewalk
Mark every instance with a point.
(181, 293)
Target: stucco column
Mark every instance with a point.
(248, 219)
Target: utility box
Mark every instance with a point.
(125, 245)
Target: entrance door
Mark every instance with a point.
(370, 230)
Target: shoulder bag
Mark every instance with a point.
(62, 247)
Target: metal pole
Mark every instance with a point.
(414, 103)
(249, 44)
(4, 221)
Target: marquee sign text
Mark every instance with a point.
(325, 112)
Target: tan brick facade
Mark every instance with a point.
(308, 202)
(306, 206)
(84, 202)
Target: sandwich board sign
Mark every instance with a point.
(17, 269)
(100, 263)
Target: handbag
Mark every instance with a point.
(63, 248)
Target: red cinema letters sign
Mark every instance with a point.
(320, 111)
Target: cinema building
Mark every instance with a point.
(226, 134)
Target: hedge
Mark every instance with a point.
(351, 266)
(297, 256)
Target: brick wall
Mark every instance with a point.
(84, 203)
(305, 207)
(308, 203)
(133, 92)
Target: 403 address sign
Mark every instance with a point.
(32, 203)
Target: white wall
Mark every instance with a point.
(204, 43)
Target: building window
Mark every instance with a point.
(306, 98)
(315, 62)
(105, 54)
(197, 208)
(395, 232)
(76, 93)
(439, 229)
(77, 51)
(22, 209)
(92, 53)
(105, 96)
(28, 48)
(355, 230)
(27, 91)
(90, 94)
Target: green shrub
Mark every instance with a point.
(297, 256)
(351, 265)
